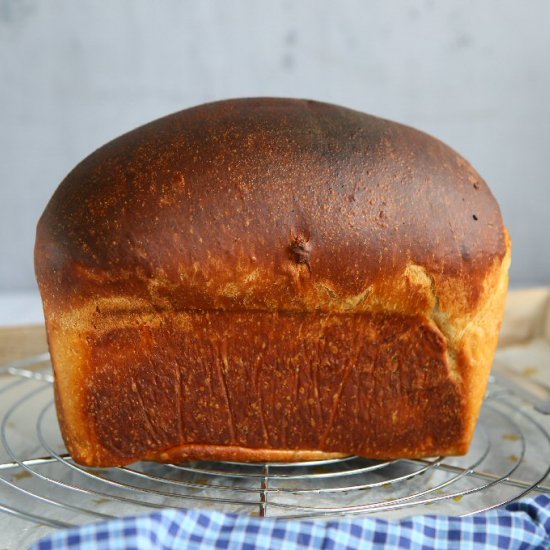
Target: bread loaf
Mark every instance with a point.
(271, 279)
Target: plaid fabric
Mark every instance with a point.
(521, 525)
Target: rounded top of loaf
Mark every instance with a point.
(268, 204)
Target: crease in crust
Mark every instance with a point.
(336, 401)
(146, 413)
(221, 373)
(347, 303)
(180, 393)
(260, 400)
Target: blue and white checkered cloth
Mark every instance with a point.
(521, 525)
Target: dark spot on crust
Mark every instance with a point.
(300, 251)
(475, 217)
(476, 186)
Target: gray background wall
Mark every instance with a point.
(74, 74)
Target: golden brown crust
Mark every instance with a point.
(269, 380)
(210, 207)
(172, 254)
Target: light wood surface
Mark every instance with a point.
(19, 342)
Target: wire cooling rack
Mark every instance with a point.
(39, 482)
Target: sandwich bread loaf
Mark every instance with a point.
(271, 279)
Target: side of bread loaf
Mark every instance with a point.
(271, 279)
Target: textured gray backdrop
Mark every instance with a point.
(74, 74)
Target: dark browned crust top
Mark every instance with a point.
(251, 203)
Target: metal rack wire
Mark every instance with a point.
(39, 482)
